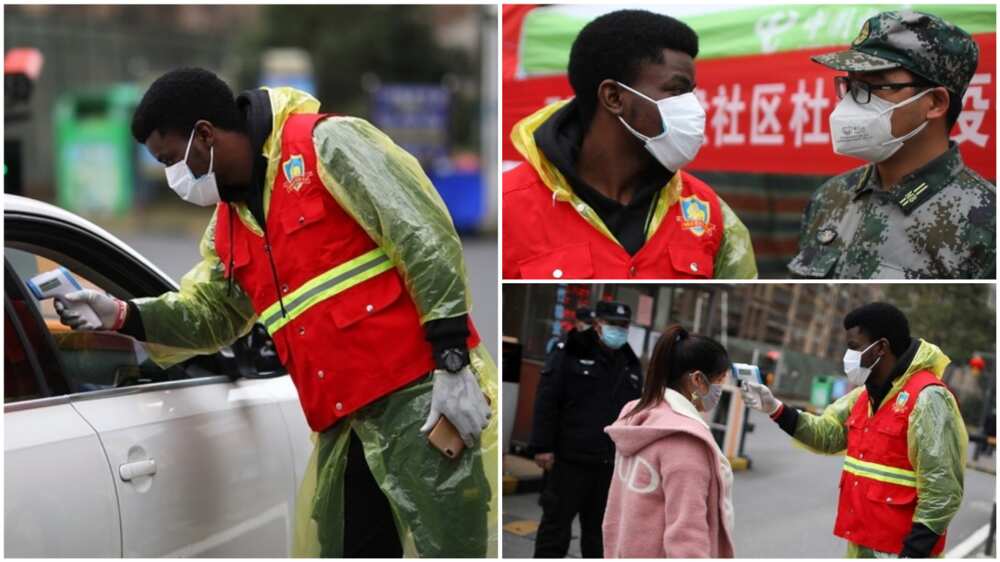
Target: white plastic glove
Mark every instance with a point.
(110, 312)
(458, 397)
(759, 397)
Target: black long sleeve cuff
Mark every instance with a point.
(448, 333)
(133, 323)
(787, 419)
(919, 543)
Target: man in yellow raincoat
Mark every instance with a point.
(902, 434)
(331, 237)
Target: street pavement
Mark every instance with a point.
(176, 251)
(785, 504)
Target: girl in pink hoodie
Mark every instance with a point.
(671, 496)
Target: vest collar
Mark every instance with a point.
(523, 138)
(283, 103)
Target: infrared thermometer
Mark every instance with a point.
(747, 372)
(59, 282)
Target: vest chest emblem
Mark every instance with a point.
(695, 215)
(901, 400)
(296, 176)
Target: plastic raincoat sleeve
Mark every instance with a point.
(938, 445)
(384, 189)
(735, 258)
(201, 317)
(827, 433)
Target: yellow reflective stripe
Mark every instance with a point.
(902, 472)
(324, 286)
(880, 472)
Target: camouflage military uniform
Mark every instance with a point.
(938, 222)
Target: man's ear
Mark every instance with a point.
(609, 96)
(205, 131)
(886, 348)
(940, 99)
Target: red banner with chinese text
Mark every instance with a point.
(770, 113)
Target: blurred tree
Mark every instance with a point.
(348, 43)
(961, 319)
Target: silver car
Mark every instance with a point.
(107, 454)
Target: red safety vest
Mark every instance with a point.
(350, 333)
(548, 239)
(878, 488)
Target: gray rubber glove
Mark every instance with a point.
(108, 312)
(759, 397)
(458, 397)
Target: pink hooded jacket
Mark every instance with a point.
(667, 496)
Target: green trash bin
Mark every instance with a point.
(95, 152)
(822, 391)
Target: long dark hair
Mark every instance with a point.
(677, 352)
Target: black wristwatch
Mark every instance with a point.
(453, 359)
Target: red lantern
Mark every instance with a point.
(977, 363)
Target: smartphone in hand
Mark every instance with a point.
(445, 438)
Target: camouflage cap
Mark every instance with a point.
(924, 44)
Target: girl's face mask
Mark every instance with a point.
(709, 399)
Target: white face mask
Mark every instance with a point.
(865, 131)
(683, 129)
(711, 400)
(201, 191)
(856, 374)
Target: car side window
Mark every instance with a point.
(31, 365)
(90, 360)
(20, 380)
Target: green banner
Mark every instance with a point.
(549, 31)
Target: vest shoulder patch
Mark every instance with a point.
(695, 215)
(296, 175)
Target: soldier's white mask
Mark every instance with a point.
(865, 130)
(683, 129)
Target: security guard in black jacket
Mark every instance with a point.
(587, 380)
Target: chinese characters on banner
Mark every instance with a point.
(769, 113)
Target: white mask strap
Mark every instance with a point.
(908, 100)
(907, 136)
(188, 149)
(636, 92)
(641, 136)
(865, 350)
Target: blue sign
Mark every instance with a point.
(415, 116)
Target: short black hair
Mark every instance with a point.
(881, 320)
(181, 97)
(614, 45)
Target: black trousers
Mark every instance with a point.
(369, 529)
(572, 489)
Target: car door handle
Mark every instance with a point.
(131, 470)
